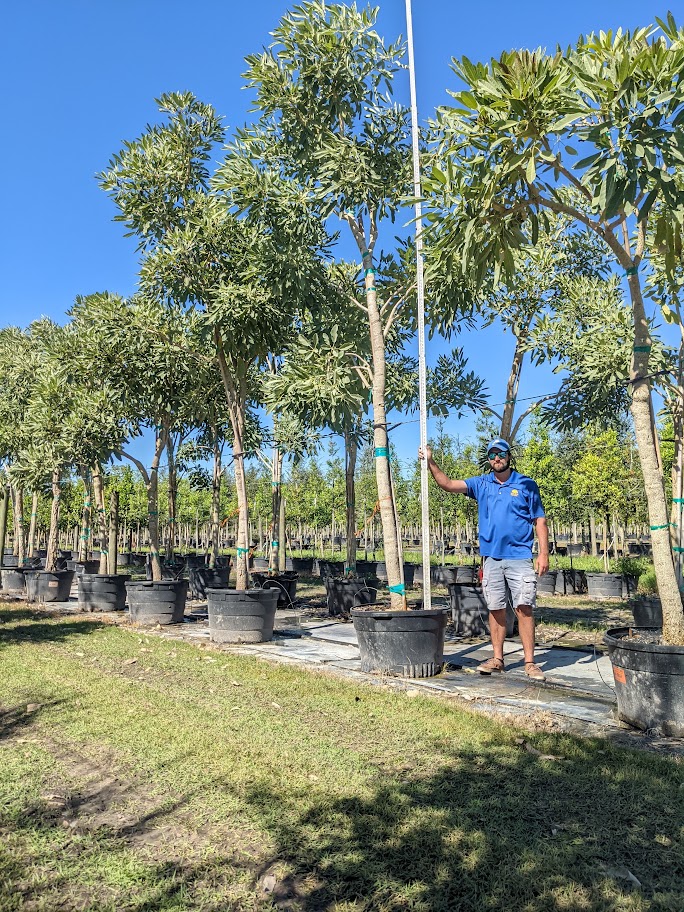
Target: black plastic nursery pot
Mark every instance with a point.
(13, 580)
(409, 572)
(546, 583)
(10, 560)
(153, 603)
(203, 578)
(647, 610)
(469, 611)
(346, 593)
(48, 586)
(408, 644)
(285, 585)
(102, 591)
(649, 679)
(300, 564)
(604, 585)
(330, 568)
(241, 616)
(259, 563)
(81, 567)
(366, 568)
(570, 582)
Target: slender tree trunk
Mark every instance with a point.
(513, 383)
(381, 442)
(53, 538)
(151, 481)
(642, 409)
(277, 530)
(100, 512)
(113, 531)
(86, 521)
(19, 525)
(235, 386)
(282, 550)
(33, 524)
(350, 454)
(5, 494)
(172, 496)
(215, 500)
(592, 535)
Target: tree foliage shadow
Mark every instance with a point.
(27, 626)
(487, 833)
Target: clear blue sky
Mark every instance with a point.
(81, 76)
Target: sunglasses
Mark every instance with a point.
(492, 455)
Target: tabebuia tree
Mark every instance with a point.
(602, 119)
(324, 87)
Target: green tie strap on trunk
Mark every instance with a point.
(369, 271)
(275, 484)
(678, 500)
(666, 526)
(274, 544)
(365, 253)
(641, 348)
(381, 451)
(371, 288)
(242, 551)
(400, 589)
(152, 513)
(633, 270)
(678, 549)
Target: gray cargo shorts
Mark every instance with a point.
(520, 577)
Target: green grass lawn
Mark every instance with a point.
(143, 774)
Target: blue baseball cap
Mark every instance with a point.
(500, 443)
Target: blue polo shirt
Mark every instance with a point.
(506, 513)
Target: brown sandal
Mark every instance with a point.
(493, 664)
(532, 670)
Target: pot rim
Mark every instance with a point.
(618, 637)
(393, 612)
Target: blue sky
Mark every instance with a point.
(81, 76)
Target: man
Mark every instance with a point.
(509, 509)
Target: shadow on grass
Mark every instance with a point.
(487, 834)
(24, 625)
(16, 719)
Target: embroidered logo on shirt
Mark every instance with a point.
(514, 492)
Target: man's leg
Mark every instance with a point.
(494, 589)
(522, 581)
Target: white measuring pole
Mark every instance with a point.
(422, 371)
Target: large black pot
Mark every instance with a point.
(10, 560)
(346, 593)
(330, 568)
(153, 603)
(284, 583)
(81, 567)
(467, 573)
(237, 616)
(13, 580)
(409, 572)
(649, 680)
(366, 568)
(170, 571)
(647, 610)
(260, 563)
(102, 591)
(546, 583)
(300, 565)
(604, 585)
(405, 643)
(48, 586)
(203, 578)
(442, 576)
(469, 611)
(570, 582)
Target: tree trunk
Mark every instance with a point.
(53, 537)
(277, 530)
(592, 535)
(33, 524)
(215, 501)
(172, 496)
(642, 409)
(350, 453)
(99, 498)
(19, 525)
(86, 521)
(151, 481)
(513, 384)
(113, 532)
(282, 550)
(381, 442)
